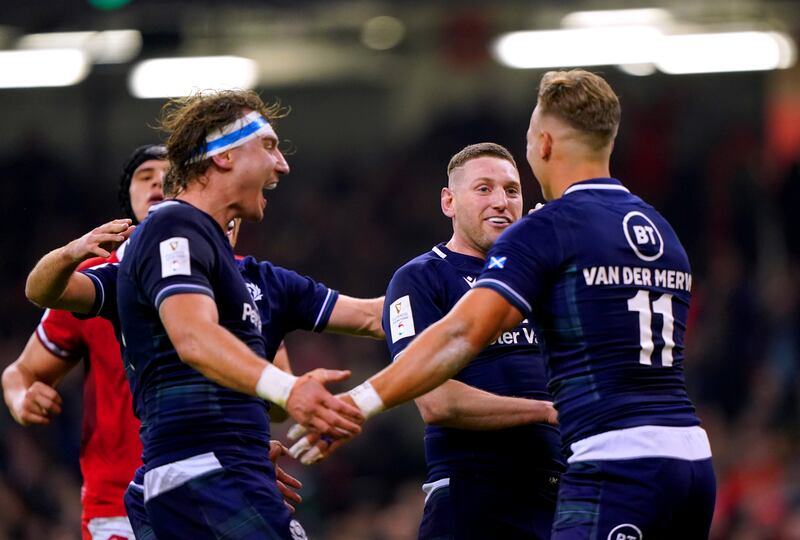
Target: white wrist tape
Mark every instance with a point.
(367, 399)
(275, 385)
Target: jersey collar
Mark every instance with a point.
(597, 183)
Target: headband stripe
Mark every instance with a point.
(239, 132)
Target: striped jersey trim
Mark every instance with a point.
(686, 443)
(582, 187)
(186, 288)
(326, 305)
(439, 252)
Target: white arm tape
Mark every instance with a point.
(275, 385)
(367, 399)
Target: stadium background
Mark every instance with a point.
(378, 108)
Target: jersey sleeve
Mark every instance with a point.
(60, 333)
(104, 279)
(523, 260)
(307, 303)
(178, 257)
(412, 304)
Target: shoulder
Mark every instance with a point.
(424, 266)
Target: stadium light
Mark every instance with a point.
(726, 51)
(656, 17)
(173, 77)
(46, 67)
(106, 47)
(577, 47)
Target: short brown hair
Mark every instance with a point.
(475, 151)
(583, 100)
(188, 120)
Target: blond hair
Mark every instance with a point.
(584, 101)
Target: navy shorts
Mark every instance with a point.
(239, 501)
(631, 499)
(134, 506)
(480, 508)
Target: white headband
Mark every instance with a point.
(235, 134)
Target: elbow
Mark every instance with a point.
(434, 412)
(33, 295)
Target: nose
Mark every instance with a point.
(282, 166)
(499, 199)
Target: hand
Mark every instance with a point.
(38, 404)
(287, 484)
(101, 241)
(314, 408)
(313, 447)
(548, 413)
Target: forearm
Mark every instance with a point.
(48, 280)
(357, 316)
(457, 405)
(219, 356)
(432, 358)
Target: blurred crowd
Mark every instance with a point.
(350, 223)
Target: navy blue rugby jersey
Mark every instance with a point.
(285, 300)
(179, 249)
(420, 293)
(607, 283)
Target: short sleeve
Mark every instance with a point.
(176, 256)
(104, 279)
(412, 304)
(60, 333)
(523, 260)
(307, 303)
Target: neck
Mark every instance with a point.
(567, 175)
(205, 198)
(458, 245)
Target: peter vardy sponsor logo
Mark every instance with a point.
(249, 312)
(521, 335)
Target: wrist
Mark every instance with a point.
(275, 385)
(367, 399)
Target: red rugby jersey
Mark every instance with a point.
(110, 446)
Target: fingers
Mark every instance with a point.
(289, 481)
(43, 400)
(296, 431)
(276, 450)
(330, 375)
(303, 445)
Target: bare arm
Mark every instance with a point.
(53, 282)
(357, 316)
(281, 361)
(444, 348)
(28, 384)
(458, 405)
(191, 321)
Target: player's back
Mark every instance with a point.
(610, 303)
(180, 249)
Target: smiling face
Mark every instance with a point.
(258, 165)
(147, 186)
(484, 198)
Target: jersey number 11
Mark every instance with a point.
(662, 306)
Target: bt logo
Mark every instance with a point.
(643, 236)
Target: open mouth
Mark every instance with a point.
(155, 199)
(499, 220)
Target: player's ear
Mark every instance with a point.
(448, 204)
(545, 145)
(223, 160)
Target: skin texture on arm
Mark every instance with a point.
(53, 282)
(458, 405)
(191, 321)
(28, 384)
(357, 316)
(281, 361)
(444, 348)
